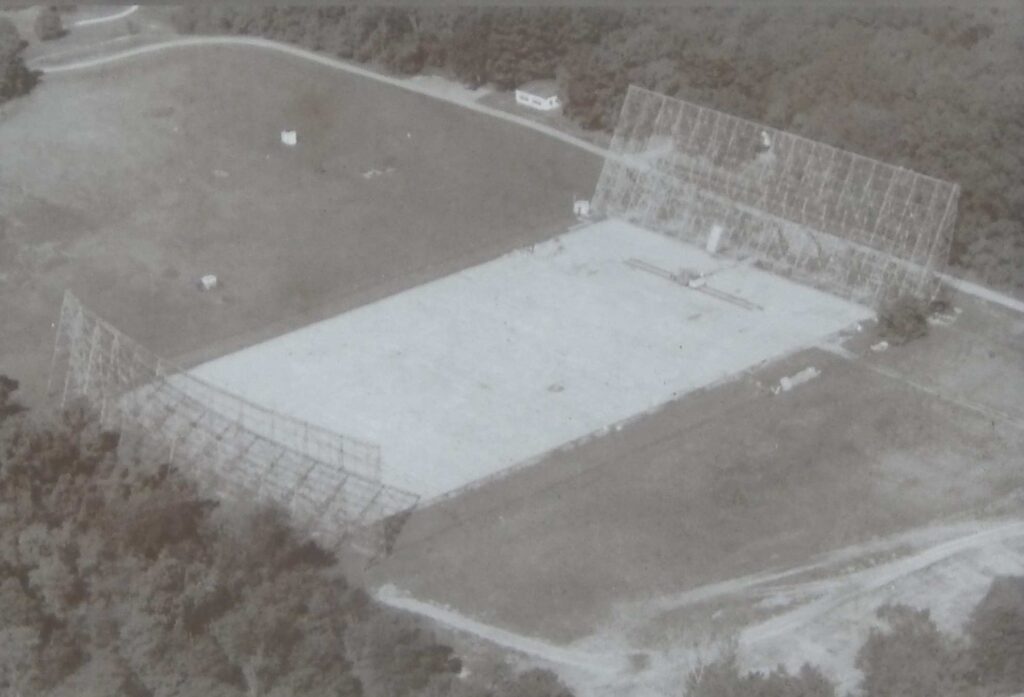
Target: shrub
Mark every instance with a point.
(394, 656)
(912, 659)
(8, 405)
(722, 678)
(49, 25)
(903, 319)
(496, 677)
(15, 79)
(996, 629)
(536, 682)
(406, 57)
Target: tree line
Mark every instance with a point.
(933, 89)
(907, 655)
(118, 577)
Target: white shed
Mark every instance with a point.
(289, 137)
(714, 242)
(539, 94)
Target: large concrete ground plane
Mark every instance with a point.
(484, 369)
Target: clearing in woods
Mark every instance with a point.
(170, 167)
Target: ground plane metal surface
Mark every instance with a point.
(485, 369)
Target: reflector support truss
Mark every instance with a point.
(330, 483)
(853, 226)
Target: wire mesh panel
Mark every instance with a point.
(329, 482)
(853, 226)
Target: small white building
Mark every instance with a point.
(714, 242)
(581, 208)
(539, 94)
(289, 137)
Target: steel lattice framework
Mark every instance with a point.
(330, 483)
(853, 226)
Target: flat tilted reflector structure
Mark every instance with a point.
(848, 224)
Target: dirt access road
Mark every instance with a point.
(464, 98)
(819, 612)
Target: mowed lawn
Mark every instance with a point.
(127, 183)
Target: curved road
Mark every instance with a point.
(843, 590)
(827, 595)
(287, 49)
(106, 18)
(963, 286)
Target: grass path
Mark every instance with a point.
(600, 664)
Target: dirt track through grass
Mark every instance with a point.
(724, 483)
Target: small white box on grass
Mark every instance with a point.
(289, 137)
(208, 282)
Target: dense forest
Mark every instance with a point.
(936, 89)
(118, 578)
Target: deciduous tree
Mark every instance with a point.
(48, 24)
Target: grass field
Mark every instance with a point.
(126, 184)
(726, 482)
